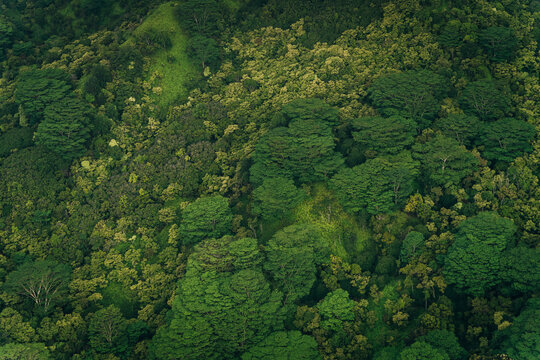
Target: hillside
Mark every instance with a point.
(269, 179)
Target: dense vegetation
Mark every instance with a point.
(270, 179)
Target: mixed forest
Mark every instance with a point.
(270, 179)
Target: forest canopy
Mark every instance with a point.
(269, 179)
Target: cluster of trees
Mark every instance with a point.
(351, 180)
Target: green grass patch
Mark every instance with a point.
(340, 230)
(169, 69)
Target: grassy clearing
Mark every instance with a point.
(169, 70)
(339, 229)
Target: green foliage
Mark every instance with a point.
(377, 186)
(462, 128)
(107, 331)
(200, 17)
(505, 139)
(484, 99)
(284, 345)
(6, 34)
(411, 247)
(444, 162)
(44, 283)
(304, 151)
(292, 256)
(521, 341)
(522, 269)
(500, 43)
(204, 51)
(220, 311)
(382, 136)
(207, 217)
(413, 94)
(422, 351)
(446, 341)
(15, 139)
(275, 198)
(335, 309)
(29, 351)
(475, 260)
(65, 129)
(37, 89)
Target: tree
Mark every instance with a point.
(304, 151)
(28, 351)
(335, 309)
(484, 99)
(500, 43)
(376, 186)
(504, 140)
(307, 109)
(37, 89)
(463, 128)
(522, 269)
(284, 345)
(65, 129)
(223, 305)
(6, 34)
(414, 94)
(206, 217)
(381, 136)
(422, 351)
(275, 198)
(108, 331)
(521, 340)
(292, 256)
(204, 51)
(412, 246)
(199, 17)
(44, 282)
(443, 161)
(446, 341)
(473, 263)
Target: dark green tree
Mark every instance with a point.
(6, 35)
(411, 247)
(204, 51)
(223, 307)
(504, 140)
(444, 162)
(414, 94)
(499, 43)
(107, 331)
(484, 99)
(463, 128)
(422, 351)
(446, 341)
(474, 261)
(381, 136)
(304, 151)
(292, 256)
(206, 217)
(376, 186)
(522, 269)
(37, 89)
(307, 109)
(335, 309)
(275, 198)
(65, 129)
(284, 345)
(200, 17)
(521, 340)
(44, 283)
